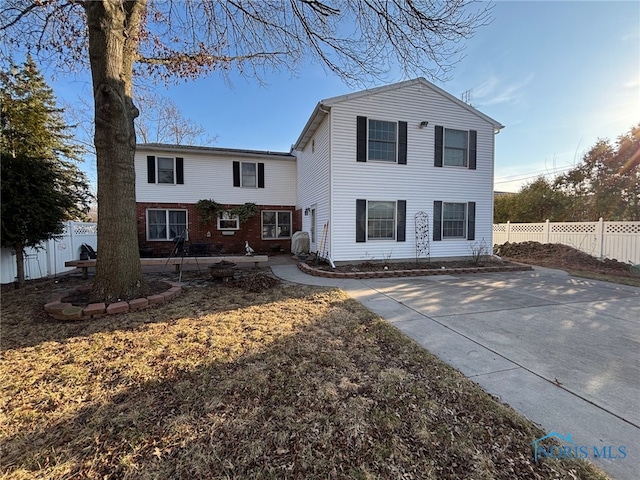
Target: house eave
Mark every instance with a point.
(316, 118)
(214, 151)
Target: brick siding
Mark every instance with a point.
(232, 244)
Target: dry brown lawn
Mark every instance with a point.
(292, 382)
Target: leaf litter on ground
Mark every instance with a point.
(286, 382)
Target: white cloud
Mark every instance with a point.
(494, 91)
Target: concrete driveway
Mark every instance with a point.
(562, 351)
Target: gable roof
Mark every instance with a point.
(324, 106)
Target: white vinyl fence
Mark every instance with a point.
(48, 260)
(618, 240)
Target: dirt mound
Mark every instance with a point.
(557, 255)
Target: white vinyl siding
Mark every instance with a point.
(208, 175)
(419, 182)
(314, 189)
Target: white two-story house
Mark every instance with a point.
(374, 164)
(395, 172)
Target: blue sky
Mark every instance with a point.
(558, 75)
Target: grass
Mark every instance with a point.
(294, 382)
(632, 281)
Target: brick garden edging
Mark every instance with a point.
(411, 273)
(60, 310)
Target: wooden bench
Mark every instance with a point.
(177, 261)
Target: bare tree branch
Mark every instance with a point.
(358, 40)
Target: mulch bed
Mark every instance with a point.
(395, 266)
(409, 269)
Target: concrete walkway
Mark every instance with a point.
(562, 351)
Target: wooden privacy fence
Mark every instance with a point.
(618, 240)
(48, 260)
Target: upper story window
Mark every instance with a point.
(165, 170)
(455, 148)
(381, 141)
(248, 174)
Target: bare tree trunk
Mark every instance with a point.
(19, 248)
(113, 30)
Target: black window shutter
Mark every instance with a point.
(361, 220)
(471, 221)
(236, 174)
(437, 220)
(401, 234)
(473, 140)
(260, 175)
(402, 143)
(437, 160)
(179, 171)
(361, 141)
(151, 169)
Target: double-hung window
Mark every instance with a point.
(248, 174)
(454, 220)
(164, 224)
(276, 224)
(165, 170)
(381, 220)
(455, 148)
(381, 141)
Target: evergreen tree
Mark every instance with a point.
(41, 183)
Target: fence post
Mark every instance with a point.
(601, 238)
(72, 240)
(508, 230)
(548, 231)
